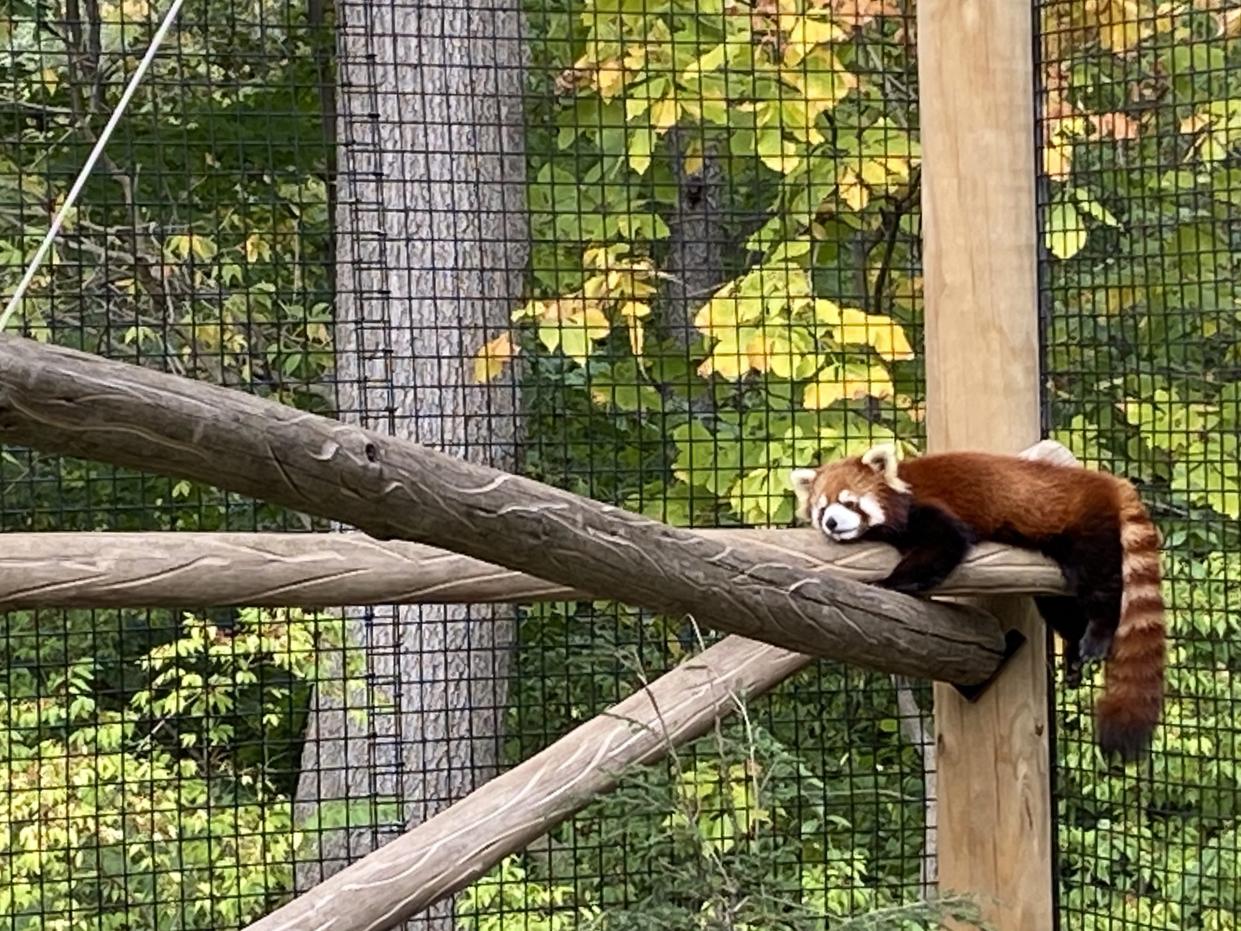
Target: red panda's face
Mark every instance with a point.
(847, 498)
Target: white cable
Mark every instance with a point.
(136, 79)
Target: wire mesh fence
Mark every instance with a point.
(1138, 150)
(656, 253)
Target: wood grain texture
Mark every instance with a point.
(311, 570)
(980, 263)
(65, 401)
(458, 845)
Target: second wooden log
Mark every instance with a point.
(313, 570)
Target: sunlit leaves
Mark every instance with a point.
(810, 30)
(1066, 231)
(618, 289)
(184, 245)
(1211, 474)
(719, 806)
(850, 325)
(757, 85)
(846, 383)
(490, 360)
(1066, 235)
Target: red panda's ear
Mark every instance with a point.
(802, 481)
(885, 461)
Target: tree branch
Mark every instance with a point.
(455, 847)
(309, 570)
(73, 403)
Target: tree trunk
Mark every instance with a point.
(431, 252)
(697, 241)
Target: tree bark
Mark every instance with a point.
(697, 239)
(98, 569)
(431, 252)
(74, 403)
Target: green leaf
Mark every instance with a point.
(641, 144)
(1065, 234)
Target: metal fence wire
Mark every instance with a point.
(656, 252)
(1139, 202)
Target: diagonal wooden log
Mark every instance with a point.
(452, 849)
(69, 402)
(445, 854)
(310, 570)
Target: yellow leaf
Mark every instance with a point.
(635, 309)
(827, 312)
(776, 152)
(880, 332)
(759, 349)
(1058, 161)
(808, 33)
(706, 63)
(531, 310)
(692, 161)
(664, 115)
(204, 248)
(636, 104)
(1120, 23)
(1195, 122)
(822, 393)
(719, 313)
(833, 385)
(852, 190)
(596, 286)
(257, 248)
(636, 335)
(821, 78)
(641, 145)
(178, 246)
(727, 359)
(490, 359)
(610, 78)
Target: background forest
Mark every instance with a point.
(718, 279)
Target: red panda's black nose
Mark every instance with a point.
(829, 523)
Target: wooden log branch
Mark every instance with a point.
(452, 849)
(312, 570)
(64, 401)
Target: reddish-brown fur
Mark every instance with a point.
(1094, 525)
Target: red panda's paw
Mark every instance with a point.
(907, 585)
(1095, 644)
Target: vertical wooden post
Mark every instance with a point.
(976, 71)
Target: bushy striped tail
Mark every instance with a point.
(1132, 699)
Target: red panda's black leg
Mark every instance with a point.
(933, 544)
(1096, 567)
(1066, 616)
(1103, 609)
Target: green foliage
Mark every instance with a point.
(735, 832)
(807, 809)
(1144, 331)
(783, 367)
(200, 243)
(159, 813)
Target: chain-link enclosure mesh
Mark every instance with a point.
(1139, 195)
(658, 253)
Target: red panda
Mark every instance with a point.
(1092, 524)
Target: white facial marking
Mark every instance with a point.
(872, 509)
(840, 523)
(847, 497)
